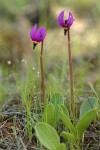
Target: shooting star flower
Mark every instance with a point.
(67, 23)
(37, 36)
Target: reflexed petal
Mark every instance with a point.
(70, 20)
(41, 34)
(33, 32)
(61, 19)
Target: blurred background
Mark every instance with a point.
(16, 50)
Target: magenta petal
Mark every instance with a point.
(41, 34)
(33, 32)
(61, 19)
(70, 20)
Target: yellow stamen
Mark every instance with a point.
(34, 42)
(65, 28)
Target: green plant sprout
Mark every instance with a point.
(73, 133)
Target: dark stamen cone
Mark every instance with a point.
(65, 31)
(34, 45)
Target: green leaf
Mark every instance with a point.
(87, 105)
(85, 121)
(67, 122)
(64, 110)
(49, 115)
(56, 100)
(47, 135)
(61, 147)
(69, 136)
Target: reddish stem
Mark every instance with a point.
(71, 77)
(42, 74)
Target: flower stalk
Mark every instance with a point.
(42, 75)
(71, 76)
(66, 24)
(37, 36)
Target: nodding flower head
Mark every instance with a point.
(65, 24)
(37, 36)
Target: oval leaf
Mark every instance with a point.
(87, 105)
(85, 121)
(69, 136)
(56, 100)
(47, 135)
(67, 122)
(61, 147)
(64, 110)
(49, 115)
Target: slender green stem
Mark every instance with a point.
(42, 75)
(71, 77)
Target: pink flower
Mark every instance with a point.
(37, 36)
(67, 23)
